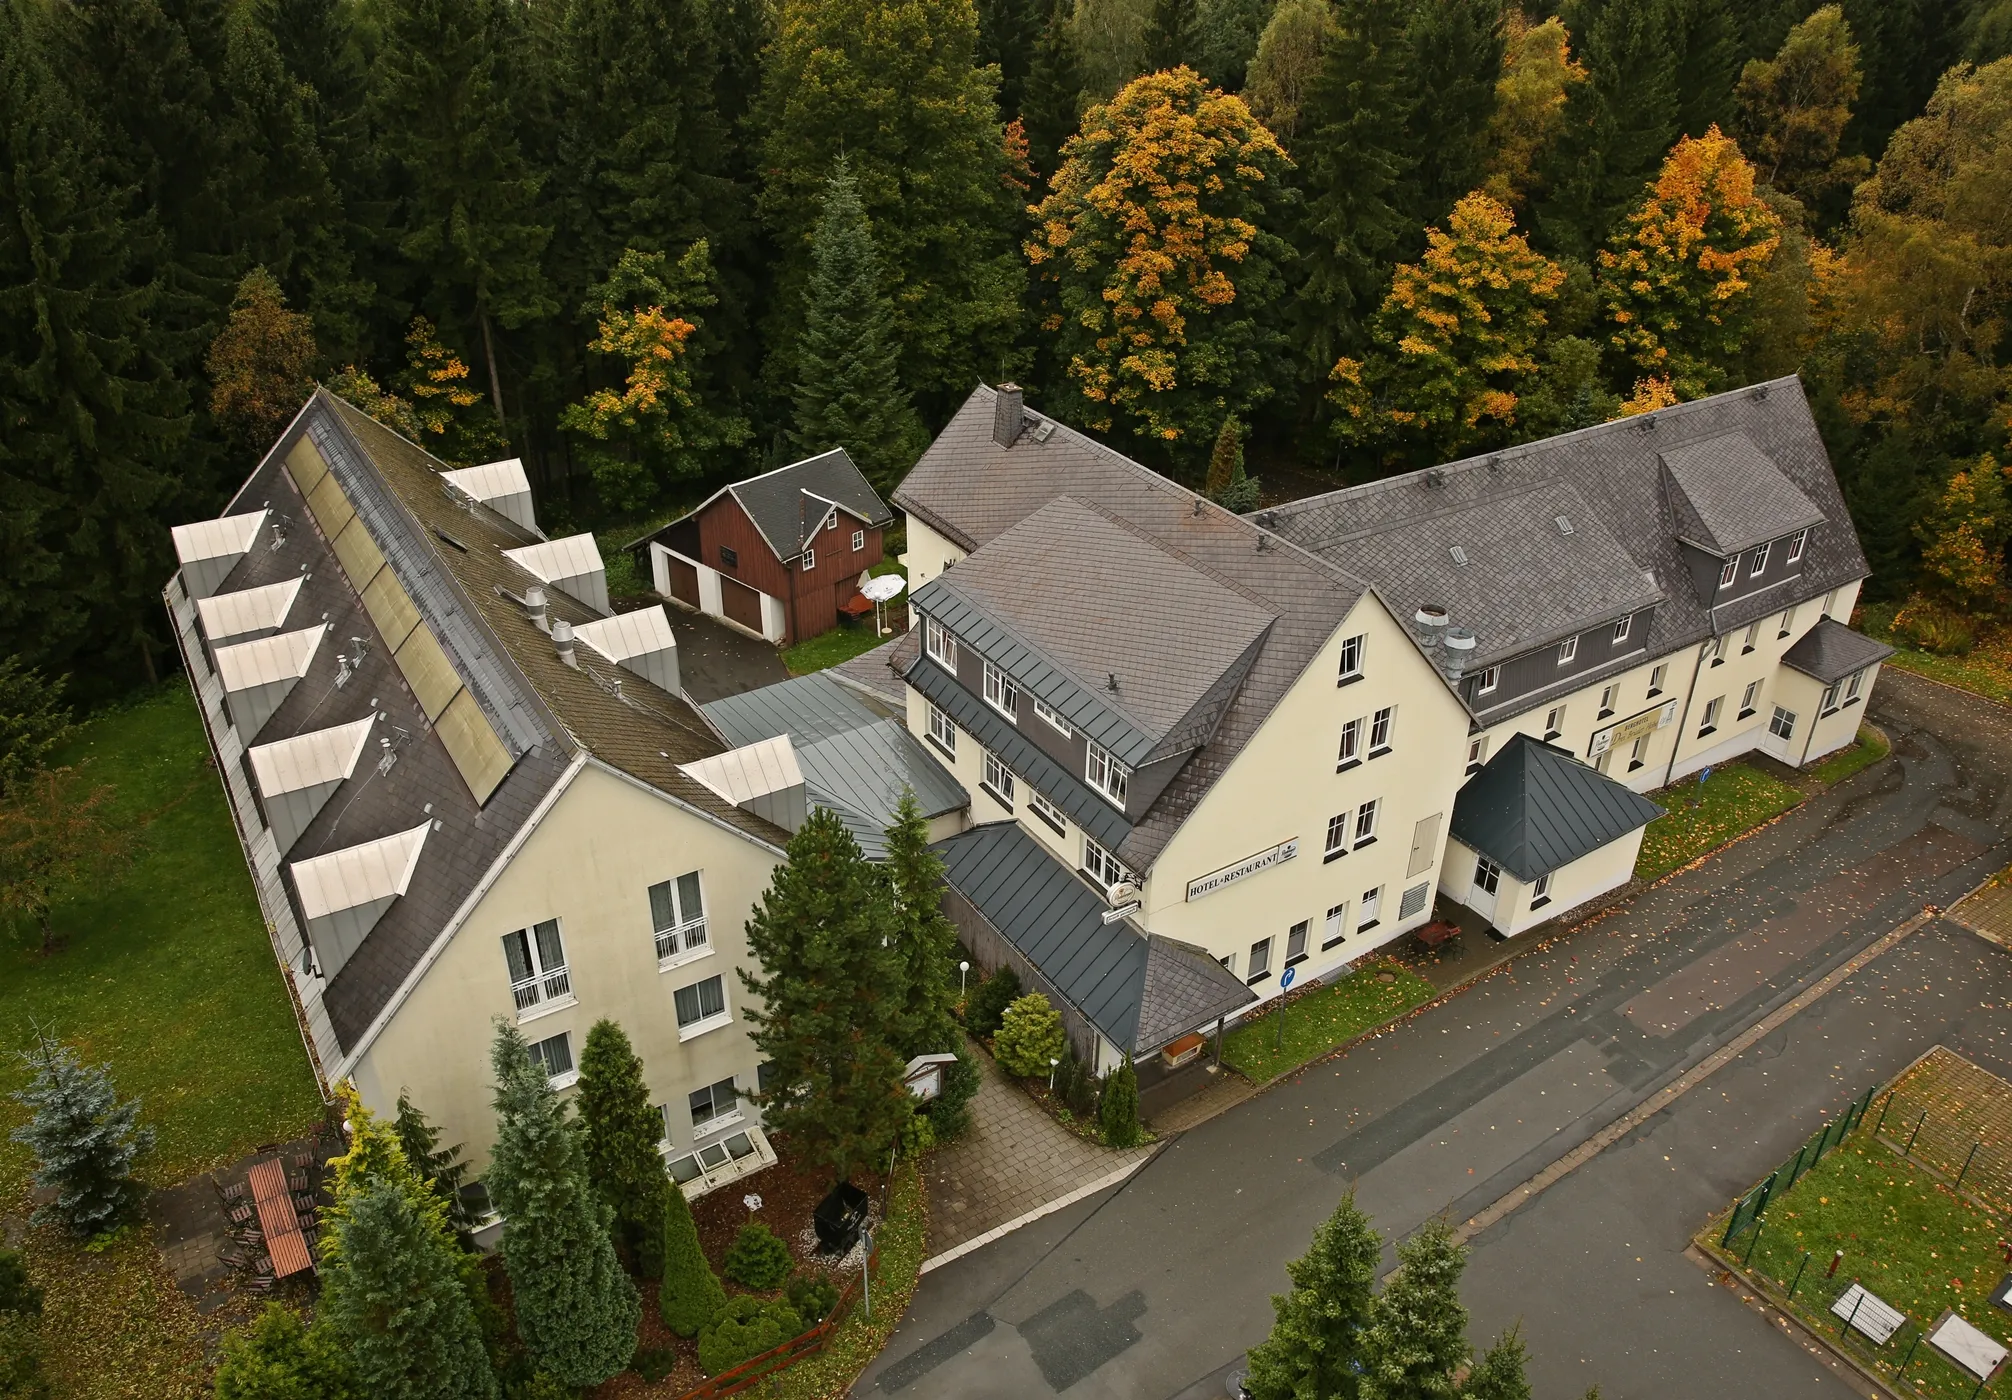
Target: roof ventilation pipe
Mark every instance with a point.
(1431, 620)
(1459, 642)
(534, 608)
(562, 641)
(1008, 414)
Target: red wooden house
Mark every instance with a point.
(776, 555)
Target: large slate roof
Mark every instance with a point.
(1140, 992)
(1618, 470)
(787, 504)
(970, 489)
(1535, 808)
(1830, 651)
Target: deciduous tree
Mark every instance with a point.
(1161, 240)
(1538, 73)
(1288, 57)
(85, 1141)
(261, 364)
(1963, 539)
(1315, 1348)
(1794, 107)
(54, 830)
(34, 719)
(621, 1131)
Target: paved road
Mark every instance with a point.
(1152, 1291)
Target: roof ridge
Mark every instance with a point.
(1236, 586)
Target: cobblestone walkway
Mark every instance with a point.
(1015, 1160)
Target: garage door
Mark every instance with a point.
(741, 604)
(684, 580)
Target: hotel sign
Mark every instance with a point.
(1249, 865)
(1629, 730)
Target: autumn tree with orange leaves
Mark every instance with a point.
(1677, 281)
(1457, 340)
(1158, 249)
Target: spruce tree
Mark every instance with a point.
(622, 1129)
(1008, 31)
(1417, 1333)
(848, 388)
(1226, 39)
(1501, 1373)
(925, 938)
(1705, 36)
(1118, 1108)
(576, 1310)
(94, 420)
(439, 1168)
(1170, 35)
(85, 1141)
(691, 1295)
(1052, 105)
(1457, 48)
(277, 1358)
(1316, 1343)
(830, 1005)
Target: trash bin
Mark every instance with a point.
(839, 1218)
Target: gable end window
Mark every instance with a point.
(1106, 774)
(941, 643)
(678, 910)
(809, 560)
(729, 558)
(1001, 693)
(858, 540)
(537, 960)
(1351, 659)
(1350, 752)
(1796, 544)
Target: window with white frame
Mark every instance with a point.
(1351, 658)
(1337, 836)
(1477, 752)
(1102, 866)
(1053, 718)
(1608, 695)
(1351, 744)
(1853, 683)
(1787, 623)
(1604, 761)
(858, 540)
(941, 643)
(678, 911)
(1623, 628)
(809, 560)
(1711, 719)
(943, 731)
(1760, 561)
(1365, 821)
(1747, 698)
(1829, 701)
(1782, 725)
(1796, 544)
(1295, 942)
(1751, 640)
(1491, 676)
(554, 1055)
(831, 522)
(1829, 602)
(1715, 650)
(1540, 892)
(1639, 754)
(999, 778)
(1106, 774)
(714, 1107)
(701, 1004)
(1259, 966)
(1554, 722)
(1001, 693)
(1366, 910)
(1568, 651)
(1656, 677)
(1046, 810)
(1487, 875)
(1729, 573)
(536, 957)
(1331, 931)
(1380, 727)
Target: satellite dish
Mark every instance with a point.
(884, 589)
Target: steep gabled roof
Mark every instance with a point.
(788, 505)
(1535, 808)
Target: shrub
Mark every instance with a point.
(950, 1111)
(18, 1293)
(1076, 1086)
(918, 1135)
(1119, 1114)
(654, 1363)
(989, 1002)
(746, 1328)
(691, 1296)
(1030, 1035)
(813, 1296)
(757, 1259)
(1930, 626)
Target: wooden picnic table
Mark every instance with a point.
(277, 1217)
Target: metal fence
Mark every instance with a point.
(1752, 1207)
(1954, 1118)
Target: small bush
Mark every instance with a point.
(691, 1295)
(918, 1135)
(1076, 1086)
(1930, 626)
(757, 1259)
(746, 1328)
(654, 1363)
(950, 1111)
(813, 1296)
(1030, 1035)
(1119, 1115)
(18, 1293)
(989, 1002)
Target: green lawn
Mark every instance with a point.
(166, 973)
(1905, 1235)
(1322, 1019)
(844, 642)
(1736, 800)
(1870, 748)
(1987, 670)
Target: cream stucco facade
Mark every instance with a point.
(1515, 905)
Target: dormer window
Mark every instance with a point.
(1106, 774)
(1796, 544)
(1624, 627)
(1568, 651)
(942, 644)
(1729, 573)
(1491, 677)
(1001, 694)
(1760, 561)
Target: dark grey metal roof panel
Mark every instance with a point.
(1735, 494)
(995, 732)
(1535, 808)
(1055, 920)
(1830, 651)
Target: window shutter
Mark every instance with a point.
(1424, 841)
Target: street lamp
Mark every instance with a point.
(963, 975)
(1052, 1064)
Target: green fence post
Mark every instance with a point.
(1845, 1335)
(1754, 1243)
(1909, 1149)
(1966, 1161)
(1795, 1171)
(1881, 1124)
(1919, 1334)
(1798, 1275)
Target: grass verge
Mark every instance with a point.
(1698, 820)
(1321, 1019)
(830, 648)
(1907, 1237)
(1986, 671)
(1870, 748)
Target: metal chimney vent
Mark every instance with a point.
(1459, 642)
(1431, 620)
(562, 641)
(534, 608)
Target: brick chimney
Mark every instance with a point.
(1007, 416)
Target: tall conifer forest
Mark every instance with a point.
(625, 239)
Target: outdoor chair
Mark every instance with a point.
(240, 1214)
(229, 1192)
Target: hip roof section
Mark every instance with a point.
(1535, 808)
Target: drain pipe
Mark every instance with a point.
(1670, 775)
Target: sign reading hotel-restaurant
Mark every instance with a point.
(1249, 865)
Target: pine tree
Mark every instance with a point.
(1417, 1332)
(1316, 1343)
(1118, 1109)
(94, 420)
(1051, 106)
(1794, 107)
(394, 1301)
(576, 1311)
(1500, 1374)
(85, 1141)
(439, 1168)
(277, 1358)
(830, 1006)
(620, 1143)
(1358, 162)
(848, 388)
(692, 1295)
(1457, 48)
(925, 938)
(1617, 124)
(34, 719)
(1706, 39)
(1170, 35)
(1287, 60)
(261, 364)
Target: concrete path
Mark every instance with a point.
(1154, 1290)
